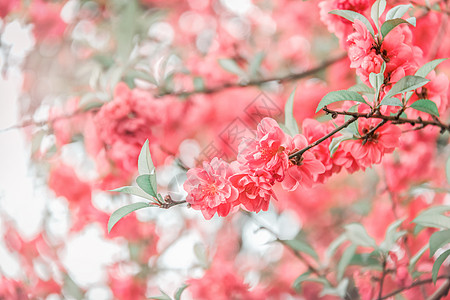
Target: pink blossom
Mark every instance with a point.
(209, 188)
(255, 190)
(314, 130)
(47, 21)
(370, 150)
(360, 43)
(267, 151)
(6, 6)
(306, 169)
(220, 282)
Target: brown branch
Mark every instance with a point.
(383, 275)
(413, 285)
(300, 152)
(280, 79)
(392, 119)
(285, 78)
(441, 292)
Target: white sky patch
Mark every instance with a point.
(87, 255)
(237, 6)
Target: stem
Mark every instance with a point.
(414, 284)
(300, 152)
(290, 77)
(383, 275)
(393, 119)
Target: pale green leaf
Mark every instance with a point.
(345, 261)
(300, 246)
(231, 66)
(391, 24)
(377, 10)
(147, 182)
(352, 16)
(424, 70)
(391, 102)
(337, 96)
(255, 63)
(133, 190)
(297, 283)
(437, 265)
(439, 239)
(405, 84)
(145, 163)
(359, 236)
(392, 235)
(179, 291)
(416, 257)
(361, 88)
(335, 142)
(123, 211)
(397, 11)
(433, 220)
(426, 105)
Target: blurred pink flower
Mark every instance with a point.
(209, 188)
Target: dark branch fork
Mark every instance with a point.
(395, 119)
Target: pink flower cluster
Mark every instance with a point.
(262, 161)
(397, 50)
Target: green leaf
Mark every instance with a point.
(340, 290)
(428, 67)
(392, 235)
(407, 83)
(358, 235)
(123, 211)
(352, 16)
(426, 105)
(199, 84)
(416, 257)
(433, 220)
(142, 75)
(231, 66)
(377, 10)
(305, 277)
(397, 11)
(255, 63)
(147, 182)
(335, 142)
(437, 265)
(179, 291)
(289, 121)
(353, 127)
(334, 246)
(391, 24)
(439, 239)
(337, 96)
(412, 21)
(297, 283)
(361, 88)
(391, 102)
(300, 246)
(133, 190)
(345, 261)
(145, 163)
(436, 210)
(126, 29)
(376, 80)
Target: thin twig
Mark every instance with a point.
(280, 79)
(413, 285)
(300, 152)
